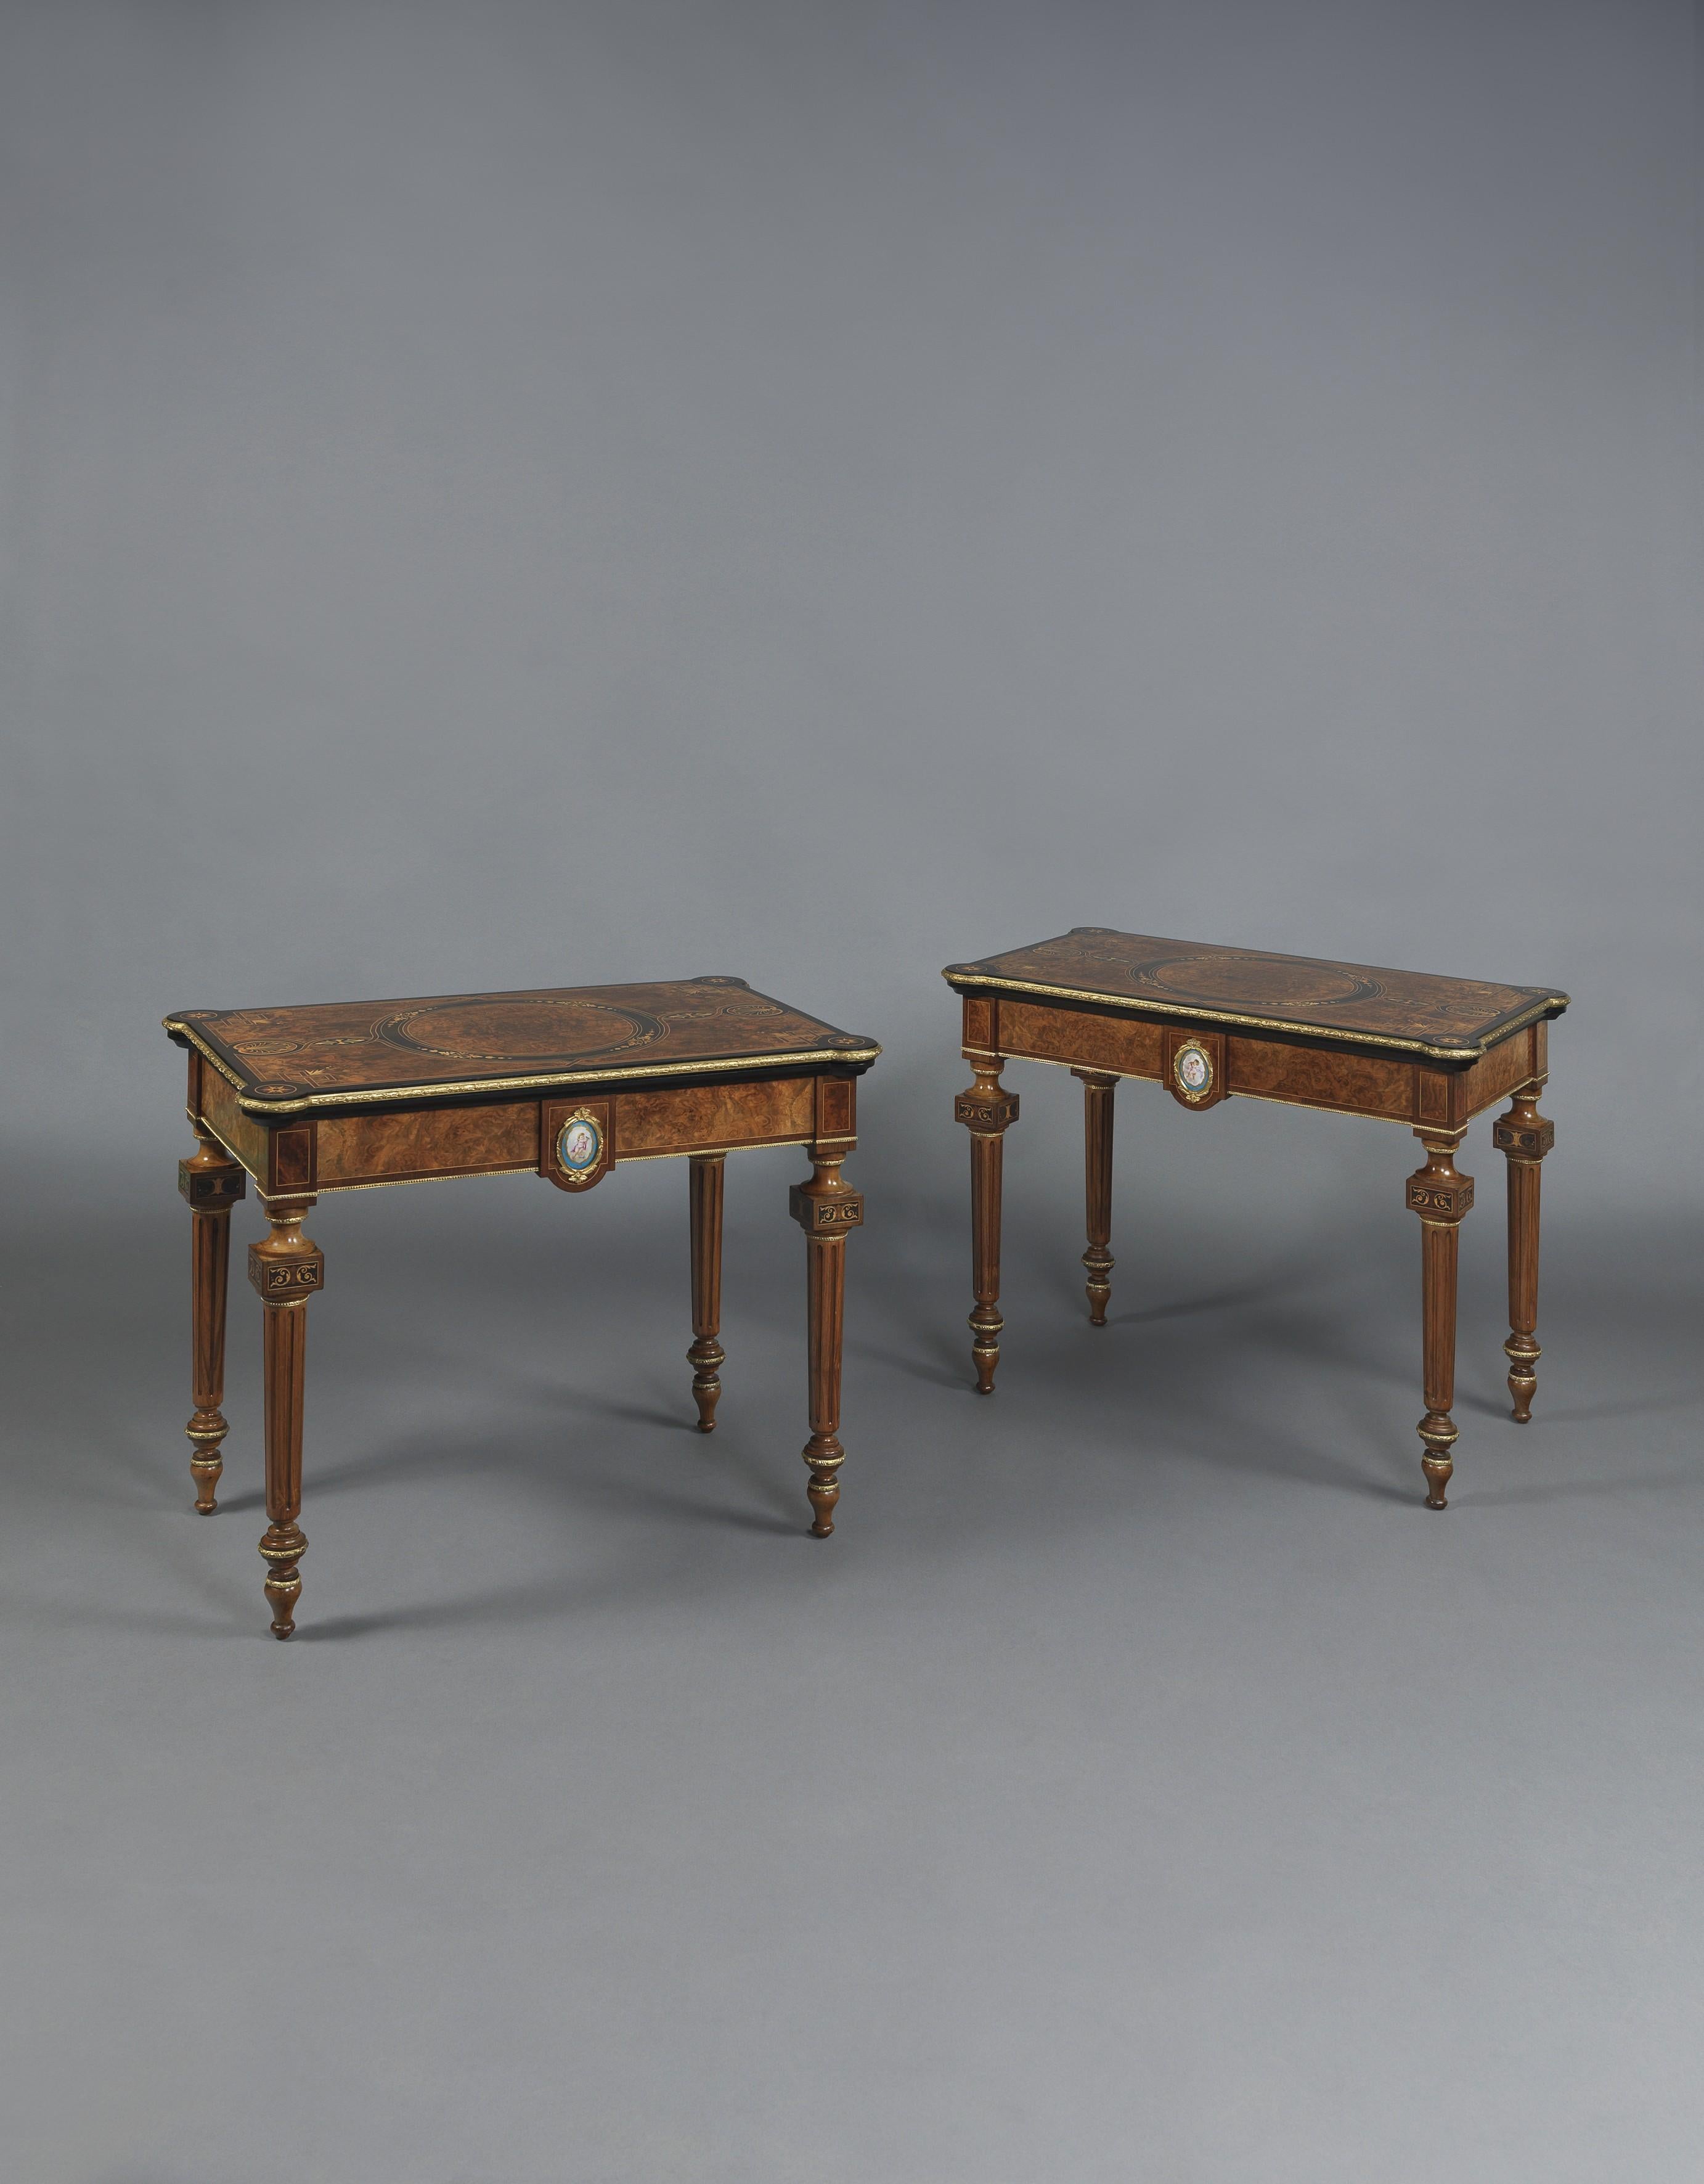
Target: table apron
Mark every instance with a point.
(315, 1154)
(1385, 1088)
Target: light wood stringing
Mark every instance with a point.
(437, 1141)
(712, 1117)
(240, 1135)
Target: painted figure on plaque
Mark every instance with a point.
(578, 1144)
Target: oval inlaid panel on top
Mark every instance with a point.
(1235, 979)
(524, 1031)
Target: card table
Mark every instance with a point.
(565, 1083)
(1212, 1024)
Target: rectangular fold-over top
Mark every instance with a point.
(336, 1054)
(1138, 974)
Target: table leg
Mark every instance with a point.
(286, 1268)
(1097, 1146)
(1524, 1136)
(1442, 1196)
(705, 1175)
(987, 1110)
(826, 1208)
(212, 1182)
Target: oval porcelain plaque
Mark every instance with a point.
(579, 1145)
(1192, 1066)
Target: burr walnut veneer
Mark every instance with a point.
(565, 1084)
(1210, 1023)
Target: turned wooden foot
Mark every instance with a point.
(827, 1208)
(282, 1546)
(1523, 1353)
(1523, 1136)
(985, 1324)
(212, 1183)
(1097, 1145)
(1442, 1196)
(987, 1110)
(286, 1268)
(1439, 1435)
(705, 1192)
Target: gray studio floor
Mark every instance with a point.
(1141, 1785)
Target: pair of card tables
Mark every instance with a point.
(565, 1083)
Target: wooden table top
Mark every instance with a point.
(336, 1054)
(1139, 974)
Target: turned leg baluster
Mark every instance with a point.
(826, 1208)
(987, 1110)
(705, 1192)
(1442, 1196)
(1097, 1146)
(286, 1268)
(1524, 1136)
(212, 1183)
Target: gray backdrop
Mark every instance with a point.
(500, 495)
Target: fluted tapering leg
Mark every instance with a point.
(706, 1172)
(1524, 1136)
(826, 1208)
(1097, 1147)
(286, 1268)
(987, 1110)
(1442, 1196)
(212, 1182)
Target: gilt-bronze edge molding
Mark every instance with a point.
(859, 1057)
(963, 979)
